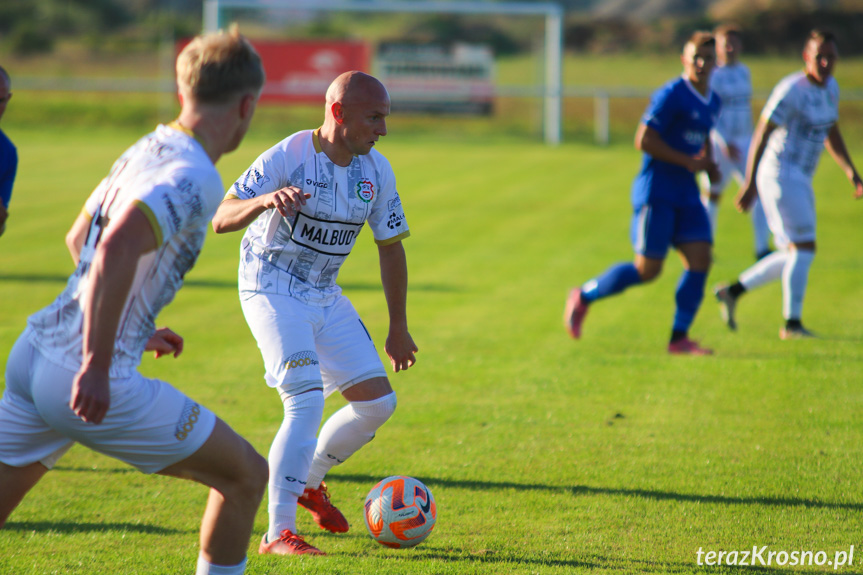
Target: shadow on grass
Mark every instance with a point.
(69, 527)
(642, 493)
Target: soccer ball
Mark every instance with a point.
(400, 512)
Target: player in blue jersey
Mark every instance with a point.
(674, 136)
(8, 155)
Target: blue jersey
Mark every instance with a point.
(8, 167)
(683, 118)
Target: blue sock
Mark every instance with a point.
(690, 292)
(615, 279)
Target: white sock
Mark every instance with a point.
(794, 281)
(764, 271)
(207, 568)
(759, 226)
(346, 431)
(290, 457)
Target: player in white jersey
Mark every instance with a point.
(730, 137)
(800, 118)
(305, 201)
(72, 376)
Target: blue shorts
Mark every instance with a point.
(657, 226)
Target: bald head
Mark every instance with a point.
(354, 87)
(356, 111)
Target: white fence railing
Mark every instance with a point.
(601, 96)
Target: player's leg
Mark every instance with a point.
(688, 297)
(766, 270)
(285, 331)
(157, 429)
(29, 448)
(769, 268)
(370, 404)
(795, 278)
(794, 207)
(15, 483)
(349, 363)
(693, 240)
(237, 476)
(651, 236)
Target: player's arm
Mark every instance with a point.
(835, 144)
(77, 234)
(749, 190)
(649, 141)
(399, 346)
(130, 236)
(235, 213)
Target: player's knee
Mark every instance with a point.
(649, 273)
(251, 482)
(377, 411)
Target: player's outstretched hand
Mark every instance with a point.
(91, 395)
(163, 342)
(288, 201)
(400, 348)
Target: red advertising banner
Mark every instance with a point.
(299, 72)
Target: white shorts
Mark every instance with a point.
(150, 425)
(789, 205)
(307, 347)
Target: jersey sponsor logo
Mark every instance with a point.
(394, 203)
(322, 185)
(301, 359)
(694, 138)
(395, 220)
(190, 193)
(252, 177)
(172, 212)
(324, 236)
(365, 190)
(187, 420)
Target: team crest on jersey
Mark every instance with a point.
(365, 190)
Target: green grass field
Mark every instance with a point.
(545, 455)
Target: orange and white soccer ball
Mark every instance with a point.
(400, 512)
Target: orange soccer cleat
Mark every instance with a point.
(325, 514)
(288, 543)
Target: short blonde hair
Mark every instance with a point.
(214, 68)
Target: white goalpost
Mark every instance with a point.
(553, 14)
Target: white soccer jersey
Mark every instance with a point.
(169, 176)
(734, 86)
(804, 113)
(301, 256)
